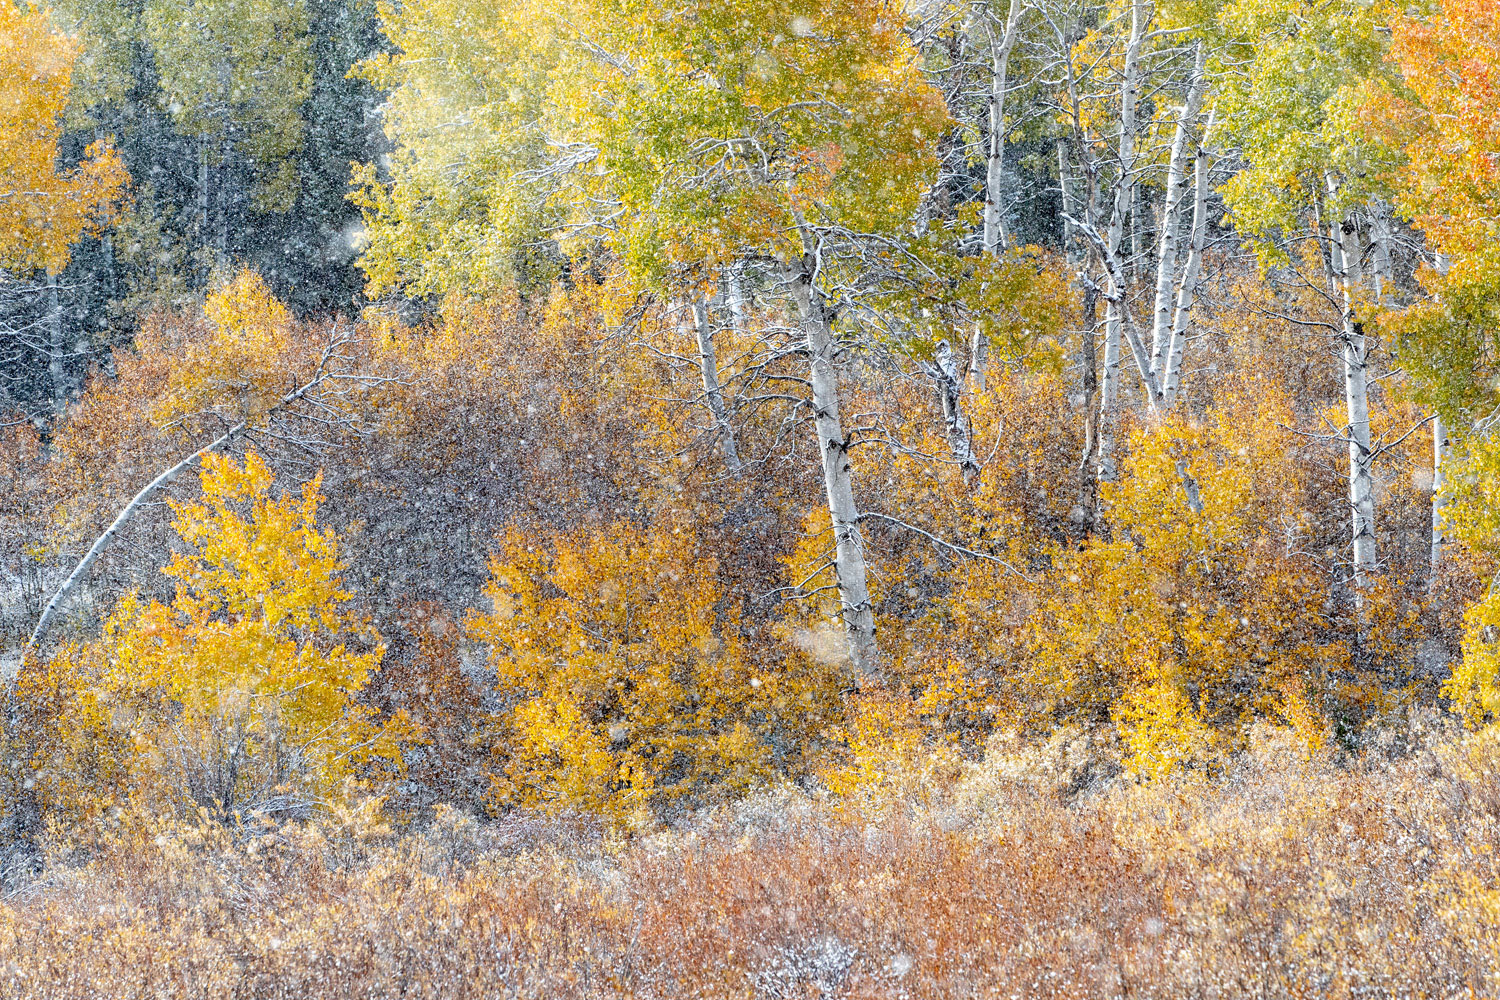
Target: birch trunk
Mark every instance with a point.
(1088, 483)
(1439, 480)
(107, 245)
(57, 369)
(203, 213)
(1440, 445)
(1115, 290)
(734, 294)
(708, 364)
(995, 236)
(221, 205)
(1187, 287)
(1109, 385)
(1344, 253)
(1380, 239)
(1069, 199)
(838, 482)
(1171, 219)
(944, 373)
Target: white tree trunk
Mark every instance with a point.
(203, 211)
(944, 373)
(1138, 350)
(1114, 295)
(1380, 238)
(838, 481)
(1440, 446)
(1171, 219)
(1187, 286)
(1069, 198)
(1344, 251)
(995, 236)
(57, 348)
(708, 364)
(734, 295)
(1439, 480)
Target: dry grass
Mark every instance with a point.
(1284, 878)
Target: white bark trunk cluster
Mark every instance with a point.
(995, 236)
(1187, 283)
(1001, 44)
(1168, 274)
(1159, 363)
(1114, 293)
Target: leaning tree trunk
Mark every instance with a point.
(86, 563)
(838, 482)
(708, 364)
(80, 571)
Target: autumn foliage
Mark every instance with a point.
(813, 499)
(43, 212)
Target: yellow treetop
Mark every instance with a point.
(43, 212)
(246, 361)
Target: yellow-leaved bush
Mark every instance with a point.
(628, 687)
(1202, 612)
(240, 694)
(1472, 516)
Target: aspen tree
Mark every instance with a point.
(1285, 108)
(716, 134)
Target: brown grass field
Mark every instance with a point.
(1286, 877)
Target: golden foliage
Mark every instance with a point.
(239, 694)
(627, 685)
(44, 212)
(247, 364)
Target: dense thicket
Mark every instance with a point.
(443, 408)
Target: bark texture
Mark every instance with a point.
(838, 478)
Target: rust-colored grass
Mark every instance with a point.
(1283, 878)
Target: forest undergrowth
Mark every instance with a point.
(749, 498)
(1291, 875)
